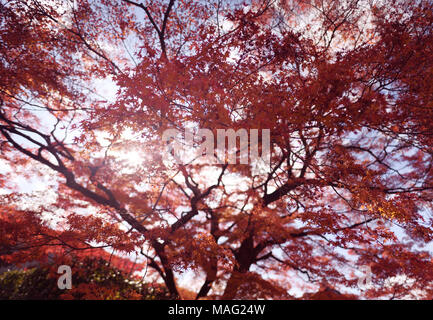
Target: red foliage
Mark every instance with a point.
(345, 88)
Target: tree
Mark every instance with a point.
(344, 87)
(96, 280)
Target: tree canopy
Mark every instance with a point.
(87, 89)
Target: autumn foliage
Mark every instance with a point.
(87, 89)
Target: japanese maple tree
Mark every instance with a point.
(87, 89)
